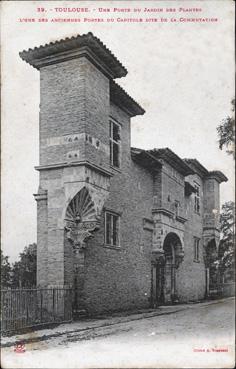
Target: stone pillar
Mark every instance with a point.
(55, 256)
(42, 237)
(79, 279)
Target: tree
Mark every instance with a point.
(226, 133)
(5, 271)
(227, 242)
(24, 270)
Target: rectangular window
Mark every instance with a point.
(196, 248)
(112, 228)
(197, 198)
(114, 144)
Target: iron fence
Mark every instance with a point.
(24, 308)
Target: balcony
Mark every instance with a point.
(170, 209)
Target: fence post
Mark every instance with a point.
(41, 306)
(53, 303)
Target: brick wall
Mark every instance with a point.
(172, 187)
(119, 278)
(97, 108)
(191, 274)
(211, 201)
(62, 109)
(74, 106)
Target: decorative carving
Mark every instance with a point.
(73, 155)
(81, 219)
(78, 237)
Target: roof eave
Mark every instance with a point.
(146, 160)
(217, 175)
(120, 98)
(174, 160)
(75, 47)
(197, 167)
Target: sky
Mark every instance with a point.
(182, 74)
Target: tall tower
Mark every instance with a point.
(75, 82)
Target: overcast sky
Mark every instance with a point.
(181, 73)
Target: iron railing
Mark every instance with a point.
(24, 308)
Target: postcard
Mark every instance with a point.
(117, 184)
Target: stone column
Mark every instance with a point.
(42, 237)
(79, 279)
(78, 233)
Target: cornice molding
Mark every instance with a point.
(85, 163)
(181, 219)
(163, 211)
(217, 175)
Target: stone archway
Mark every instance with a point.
(81, 220)
(173, 256)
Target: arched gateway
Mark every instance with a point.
(164, 286)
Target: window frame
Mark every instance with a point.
(113, 142)
(196, 250)
(113, 215)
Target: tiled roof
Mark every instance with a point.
(145, 159)
(204, 173)
(148, 157)
(174, 160)
(119, 97)
(73, 47)
(218, 175)
(197, 167)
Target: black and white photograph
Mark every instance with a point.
(118, 152)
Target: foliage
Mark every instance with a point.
(5, 271)
(227, 243)
(24, 270)
(226, 133)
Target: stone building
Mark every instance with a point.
(124, 227)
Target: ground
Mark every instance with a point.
(198, 336)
